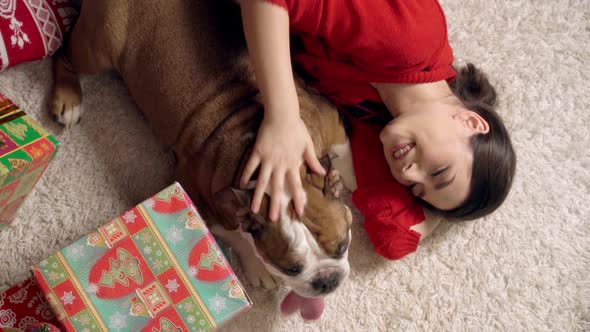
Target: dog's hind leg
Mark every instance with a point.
(81, 54)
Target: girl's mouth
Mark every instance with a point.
(400, 151)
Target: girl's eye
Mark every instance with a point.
(439, 172)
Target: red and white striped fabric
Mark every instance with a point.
(32, 29)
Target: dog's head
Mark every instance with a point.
(309, 253)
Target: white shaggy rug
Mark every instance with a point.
(526, 268)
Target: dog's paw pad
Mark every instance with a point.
(69, 115)
(66, 106)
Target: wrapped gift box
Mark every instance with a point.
(23, 306)
(154, 268)
(25, 152)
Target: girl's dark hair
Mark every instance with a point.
(494, 159)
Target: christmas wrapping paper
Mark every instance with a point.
(25, 152)
(23, 306)
(154, 268)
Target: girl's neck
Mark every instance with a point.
(402, 98)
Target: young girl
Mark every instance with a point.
(378, 60)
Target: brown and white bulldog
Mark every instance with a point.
(186, 66)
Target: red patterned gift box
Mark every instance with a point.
(154, 268)
(25, 152)
(23, 306)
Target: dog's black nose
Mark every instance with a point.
(326, 284)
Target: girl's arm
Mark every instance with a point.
(266, 27)
(283, 141)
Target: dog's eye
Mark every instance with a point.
(341, 250)
(293, 270)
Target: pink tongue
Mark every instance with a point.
(309, 308)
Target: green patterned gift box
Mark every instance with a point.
(25, 152)
(154, 268)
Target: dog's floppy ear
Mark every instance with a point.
(333, 185)
(326, 163)
(233, 205)
(330, 184)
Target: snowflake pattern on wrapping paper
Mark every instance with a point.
(26, 322)
(117, 321)
(188, 307)
(150, 203)
(129, 217)
(7, 318)
(217, 303)
(75, 251)
(146, 237)
(158, 265)
(172, 286)
(84, 319)
(192, 271)
(92, 288)
(175, 234)
(68, 298)
(53, 276)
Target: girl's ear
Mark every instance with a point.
(472, 122)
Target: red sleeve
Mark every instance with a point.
(389, 208)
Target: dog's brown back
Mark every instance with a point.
(176, 56)
(185, 64)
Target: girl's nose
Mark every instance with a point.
(412, 173)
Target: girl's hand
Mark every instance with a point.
(280, 147)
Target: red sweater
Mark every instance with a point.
(341, 46)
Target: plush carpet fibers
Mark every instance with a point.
(526, 268)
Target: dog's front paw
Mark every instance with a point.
(67, 94)
(257, 274)
(66, 105)
(334, 185)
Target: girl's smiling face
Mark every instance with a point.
(429, 151)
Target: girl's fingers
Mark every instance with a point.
(250, 168)
(297, 191)
(312, 161)
(278, 181)
(261, 184)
